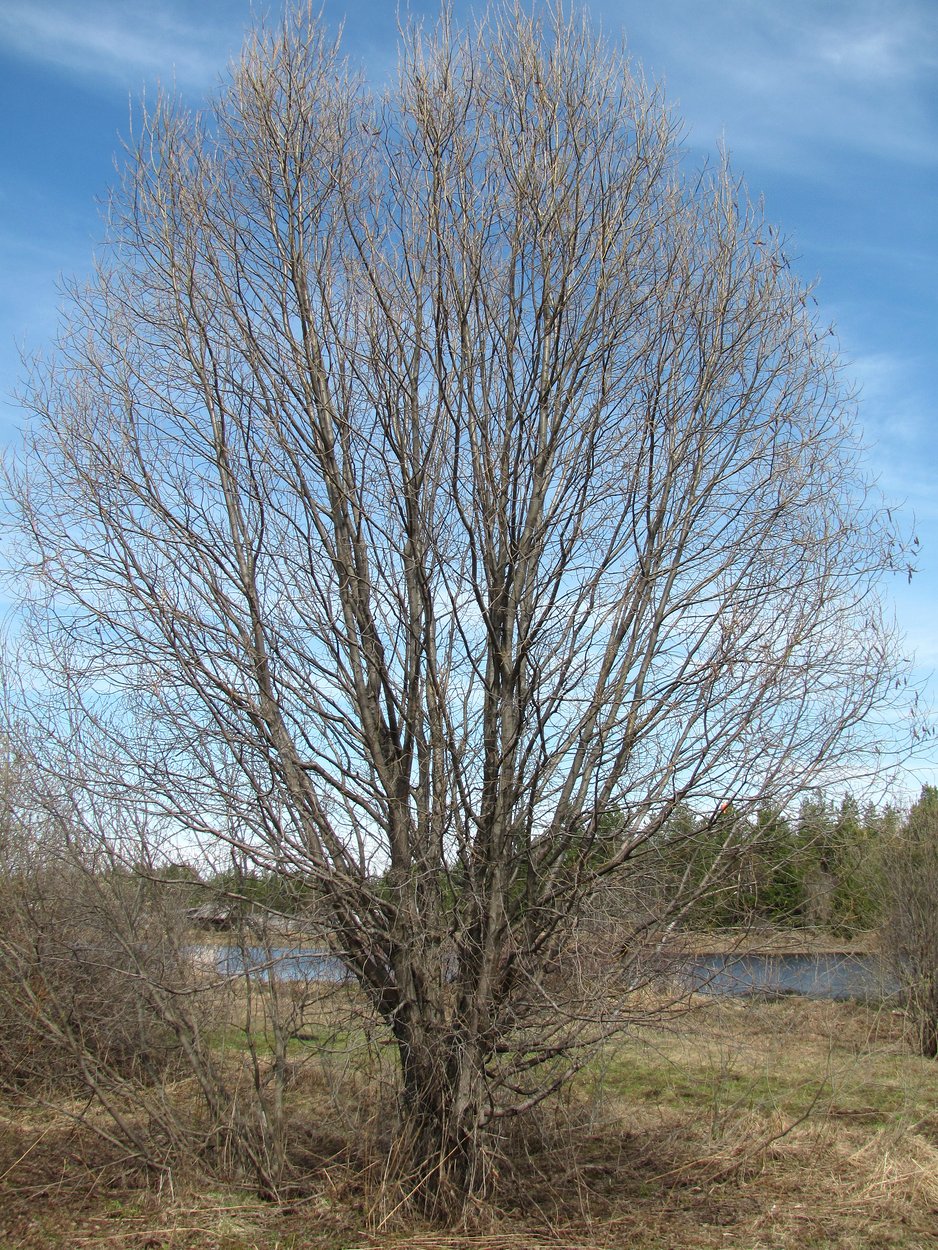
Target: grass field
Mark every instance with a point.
(743, 1124)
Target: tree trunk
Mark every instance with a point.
(924, 1001)
(928, 1038)
(440, 1146)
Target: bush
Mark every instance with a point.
(910, 917)
(80, 955)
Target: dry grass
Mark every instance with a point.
(774, 940)
(754, 1126)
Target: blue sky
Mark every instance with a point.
(829, 109)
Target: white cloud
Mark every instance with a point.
(789, 83)
(120, 43)
(876, 53)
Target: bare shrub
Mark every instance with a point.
(910, 917)
(107, 1004)
(70, 982)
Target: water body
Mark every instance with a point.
(284, 963)
(833, 976)
(827, 976)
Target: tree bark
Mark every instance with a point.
(441, 1137)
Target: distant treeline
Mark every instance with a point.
(823, 868)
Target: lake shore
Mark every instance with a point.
(772, 941)
(750, 941)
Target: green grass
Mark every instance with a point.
(781, 1058)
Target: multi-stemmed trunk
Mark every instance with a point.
(440, 1148)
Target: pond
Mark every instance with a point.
(285, 963)
(829, 975)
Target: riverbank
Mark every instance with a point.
(749, 941)
(773, 941)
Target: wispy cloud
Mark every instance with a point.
(122, 43)
(898, 419)
(792, 82)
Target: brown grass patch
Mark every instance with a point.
(758, 1126)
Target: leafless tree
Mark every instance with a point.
(430, 493)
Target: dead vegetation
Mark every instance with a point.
(751, 1125)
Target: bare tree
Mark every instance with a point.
(424, 478)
